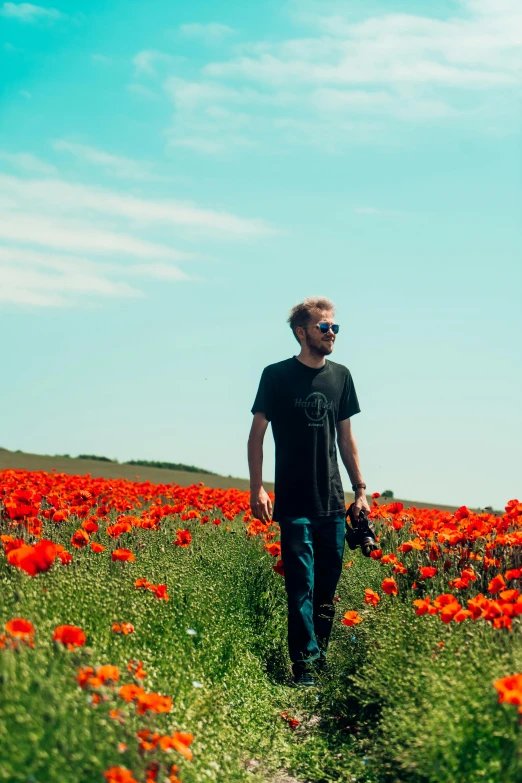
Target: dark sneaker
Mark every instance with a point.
(305, 679)
(319, 665)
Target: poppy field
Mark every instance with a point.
(143, 638)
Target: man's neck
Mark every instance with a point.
(315, 362)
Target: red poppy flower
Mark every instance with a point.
(461, 615)
(130, 692)
(274, 549)
(179, 741)
(160, 591)
(34, 559)
(64, 556)
(11, 543)
(389, 586)
(97, 547)
(184, 537)
(279, 568)
(108, 672)
(124, 555)
(119, 775)
(60, 516)
(115, 531)
(80, 539)
(153, 702)
(124, 628)
(84, 676)
(497, 584)
(292, 722)
(371, 597)
(444, 600)
(90, 526)
(509, 689)
(509, 595)
(427, 572)
(70, 636)
(423, 605)
(447, 613)
(351, 618)
(136, 669)
(20, 628)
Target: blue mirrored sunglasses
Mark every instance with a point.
(325, 327)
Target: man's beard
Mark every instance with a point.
(323, 349)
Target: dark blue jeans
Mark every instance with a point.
(312, 552)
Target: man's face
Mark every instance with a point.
(320, 344)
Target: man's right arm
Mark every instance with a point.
(260, 503)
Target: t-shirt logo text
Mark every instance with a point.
(315, 406)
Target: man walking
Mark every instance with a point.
(309, 401)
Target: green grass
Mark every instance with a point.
(393, 707)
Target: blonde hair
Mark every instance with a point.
(301, 313)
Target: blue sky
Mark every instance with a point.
(175, 177)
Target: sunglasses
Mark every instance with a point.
(325, 327)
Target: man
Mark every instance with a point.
(309, 401)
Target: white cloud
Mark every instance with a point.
(464, 69)
(26, 12)
(16, 279)
(410, 106)
(147, 61)
(28, 162)
(209, 33)
(66, 244)
(78, 235)
(116, 164)
(77, 198)
(215, 118)
(47, 279)
(189, 95)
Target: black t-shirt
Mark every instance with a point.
(304, 404)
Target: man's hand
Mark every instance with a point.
(360, 502)
(261, 505)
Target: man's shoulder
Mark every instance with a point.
(279, 368)
(338, 369)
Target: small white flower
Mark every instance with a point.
(191, 632)
(197, 684)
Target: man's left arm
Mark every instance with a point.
(350, 458)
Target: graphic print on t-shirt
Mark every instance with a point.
(315, 406)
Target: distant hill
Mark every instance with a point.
(105, 468)
(145, 462)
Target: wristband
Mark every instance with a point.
(358, 486)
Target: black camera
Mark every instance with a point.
(360, 531)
